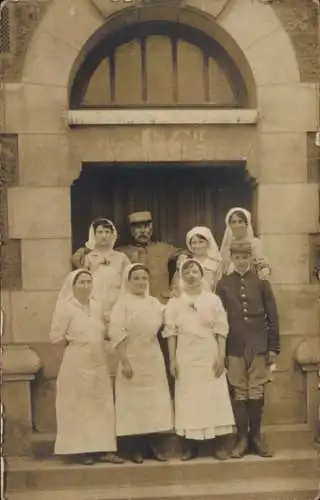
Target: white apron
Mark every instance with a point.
(84, 401)
(143, 403)
(202, 405)
(107, 272)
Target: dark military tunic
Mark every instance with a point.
(252, 314)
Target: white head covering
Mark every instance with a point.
(125, 281)
(181, 282)
(91, 238)
(228, 235)
(66, 292)
(213, 250)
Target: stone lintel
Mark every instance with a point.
(162, 117)
(20, 363)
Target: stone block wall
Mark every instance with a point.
(300, 20)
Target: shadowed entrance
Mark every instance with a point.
(179, 195)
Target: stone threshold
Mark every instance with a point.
(28, 463)
(190, 116)
(46, 475)
(284, 489)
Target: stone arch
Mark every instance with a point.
(171, 37)
(189, 17)
(248, 44)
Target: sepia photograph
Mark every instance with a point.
(160, 249)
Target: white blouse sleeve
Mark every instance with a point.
(259, 256)
(170, 315)
(221, 326)
(118, 324)
(60, 322)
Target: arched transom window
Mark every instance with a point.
(158, 64)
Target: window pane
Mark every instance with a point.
(159, 70)
(128, 82)
(98, 92)
(191, 89)
(220, 92)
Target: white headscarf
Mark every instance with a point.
(91, 238)
(66, 292)
(228, 235)
(125, 281)
(213, 250)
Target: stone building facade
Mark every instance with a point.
(71, 94)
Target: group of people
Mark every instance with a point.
(213, 330)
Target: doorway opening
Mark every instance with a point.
(179, 195)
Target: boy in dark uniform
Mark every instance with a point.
(252, 346)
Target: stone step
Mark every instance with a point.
(286, 488)
(47, 474)
(297, 436)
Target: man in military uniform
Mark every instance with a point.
(155, 255)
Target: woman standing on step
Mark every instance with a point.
(84, 401)
(107, 267)
(239, 229)
(143, 404)
(197, 328)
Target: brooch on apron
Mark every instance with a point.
(105, 262)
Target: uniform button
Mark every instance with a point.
(243, 296)
(245, 310)
(246, 318)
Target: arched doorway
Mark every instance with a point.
(165, 66)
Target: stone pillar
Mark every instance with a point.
(308, 357)
(20, 364)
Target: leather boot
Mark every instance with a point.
(221, 449)
(137, 449)
(241, 417)
(257, 445)
(189, 450)
(155, 447)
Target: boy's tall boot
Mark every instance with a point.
(257, 445)
(241, 417)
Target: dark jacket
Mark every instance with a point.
(252, 314)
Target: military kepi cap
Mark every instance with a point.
(244, 247)
(140, 217)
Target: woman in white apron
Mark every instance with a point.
(239, 228)
(107, 267)
(84, 399)
(143, 405)
(202, 247)
(197, 328)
